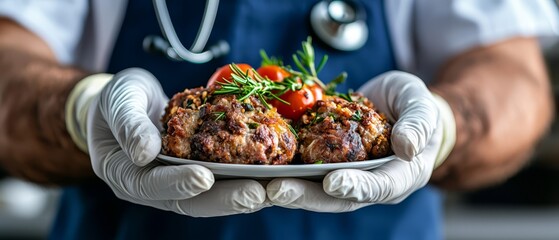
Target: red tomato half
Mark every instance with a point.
(225, 72)
(299, 100)
(273, 72)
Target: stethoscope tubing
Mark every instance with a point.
(344, 34)
(176, 49)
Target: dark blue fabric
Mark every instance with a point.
(92, 211)
(277, 26)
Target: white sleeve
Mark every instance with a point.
(444, 28)
(58, 22)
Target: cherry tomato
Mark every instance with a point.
(273, 72)
(299, 100)
(317, 91)
(225, 72)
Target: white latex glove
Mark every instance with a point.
(422, 137)
(123, 138)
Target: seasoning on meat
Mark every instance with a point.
(220, 128)
(338, 130)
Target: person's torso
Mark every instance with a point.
(278, 27)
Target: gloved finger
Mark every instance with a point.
(405, 99)
(413, 130)
(226, 197)
(129, 104)
(302, 194)
(152, 182)
(390, 183)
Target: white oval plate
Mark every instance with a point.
(310, 171)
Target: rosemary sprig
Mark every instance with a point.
(250, 83)
(307, 71)
(266, 61)
(246, 84)
(346, 96)
(331, 86)
(305, 62)
(305, 59)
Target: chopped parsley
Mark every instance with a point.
(357, 116)
(253, 125)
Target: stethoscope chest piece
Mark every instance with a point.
(340, 24)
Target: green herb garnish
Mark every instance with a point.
(189, 102)
(266, 61)
(253, 125)
(248, 106)
(317, 119)
(243, 85)
(250, 83)
(346, 96)
(357, 116)
(292, 130)
(305, 62)
(219, 116)
(331, 86)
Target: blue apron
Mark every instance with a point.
(91, 211)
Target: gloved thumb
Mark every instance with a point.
(408, 103)
(131, 104)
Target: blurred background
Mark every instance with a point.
(524, 207)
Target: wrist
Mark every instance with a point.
(448, 124)
(78, 103)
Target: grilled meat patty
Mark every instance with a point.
(220, 128)
(337, 130)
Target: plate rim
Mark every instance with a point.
(275, 171)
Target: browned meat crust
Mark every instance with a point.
(220, 128)
(337, 130)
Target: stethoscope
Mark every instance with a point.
(338, 23)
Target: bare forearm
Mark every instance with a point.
(502, 102)
(34, 143)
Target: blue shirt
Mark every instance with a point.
(91, 211)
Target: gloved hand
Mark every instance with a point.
(123, 138)
(422, 137)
